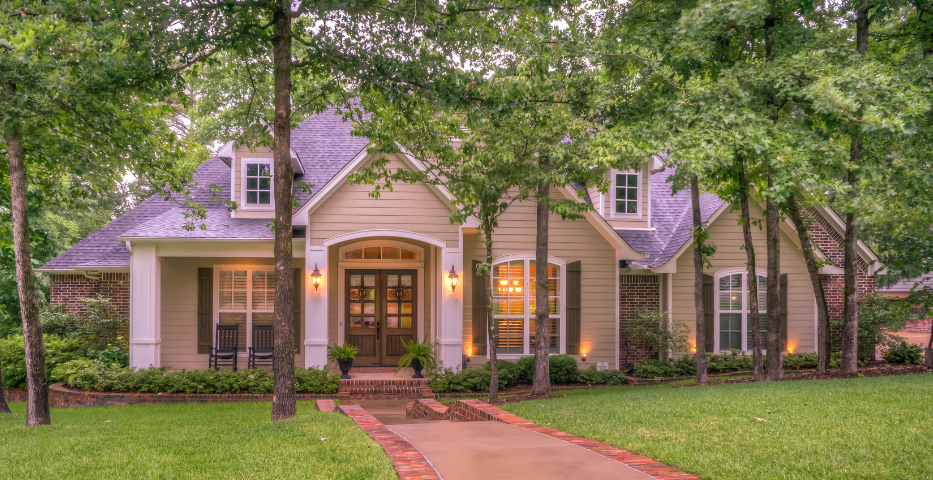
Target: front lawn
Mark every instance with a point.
(856, 428)
(222, 440)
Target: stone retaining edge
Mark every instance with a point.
(408, 461)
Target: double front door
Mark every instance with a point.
(380, 313)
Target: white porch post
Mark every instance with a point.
(450, 335)
(145, 311)
(316, 308)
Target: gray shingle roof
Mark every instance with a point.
(671, 218)
(324, 146)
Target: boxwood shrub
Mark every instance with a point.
(103, 378)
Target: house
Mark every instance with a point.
(385, 264)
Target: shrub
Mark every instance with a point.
(102, 324)
(561, 368)
(651, 368)
(56, 322)
(734, 362)
(656, 329)
(526, 369)
(606, 377)
(508, 373)
(796, 361)
(58, 350)
(878, 316)
(66, 371)
(467, 380)
(118, 354)
(904, 352)
(110, 378)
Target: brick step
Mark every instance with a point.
(385, 389)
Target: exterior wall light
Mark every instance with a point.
(584, 357)
(453, 279)
(316, 278)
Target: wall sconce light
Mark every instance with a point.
(316, 277)
(453, 279)
(584, 357)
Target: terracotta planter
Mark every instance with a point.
(345, 364)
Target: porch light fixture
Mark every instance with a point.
(316, 277)
(453, 278)
(584, 357)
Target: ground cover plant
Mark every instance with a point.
(223, 440)
(852, 428)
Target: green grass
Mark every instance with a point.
(859, 428)
(189, 441)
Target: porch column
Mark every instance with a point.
(450, 334)
(145, 303)
(315, 342)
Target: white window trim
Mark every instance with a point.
(380, 243)
(526, 285)
(249, 301)
(744, 335)
(243, 204)
(638, 196)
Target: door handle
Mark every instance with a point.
(378, 329)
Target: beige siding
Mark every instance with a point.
(608, 206)
(179, 305)
(570, 241)
(727, 236)
(415, 208)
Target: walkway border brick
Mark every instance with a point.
(479, 411)
(428, 409)
(409, 462)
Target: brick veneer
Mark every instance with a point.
(427, 409)
(14, 394)
(385, 389)
(637, 292)
(479, 411)
(68, 290)
(924, 325)
(409, 462)
(62, 396)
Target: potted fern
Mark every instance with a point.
(418, 355)
(344, 356)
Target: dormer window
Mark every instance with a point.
(626, 194)
(257, 183)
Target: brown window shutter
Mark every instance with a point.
(708, 312)
(783, 299)
(574, 306)
(480, 310)
(205, 309)
(296, 311)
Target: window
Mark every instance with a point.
(732, 313)
(258, 183)
(380, 252)
(246, 298)
(626, 199)
(514, 297)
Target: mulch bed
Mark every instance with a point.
(833, 375)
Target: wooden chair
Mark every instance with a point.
(262, 350)
(225, 347)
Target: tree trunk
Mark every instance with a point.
(283, 398)
(541, 385)
(4, 408)
(849, 362)
(929, 360)
(702, 376)
(822, 312)
(37, 390)
(775, 369)
(751, 273)
(491, 326)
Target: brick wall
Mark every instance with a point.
(830, 242)
(636, 292)
(68, 290)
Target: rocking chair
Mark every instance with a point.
(262, 350)
(225, 349)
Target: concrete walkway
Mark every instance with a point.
(494, 450)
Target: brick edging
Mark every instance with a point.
(408, 461)
(62, 396)
(477, 410)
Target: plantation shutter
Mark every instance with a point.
(574, 306)
(708, 312)
(783, 299)
(205, 309)
(296, 311)
(480, 310)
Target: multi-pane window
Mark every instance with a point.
(246, 298)
(258, 184)
(736, 323)
(378, 252)
(625, 193)
(514, 303)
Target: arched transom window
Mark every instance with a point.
(381, 250)
(732, 312)
(514, 304)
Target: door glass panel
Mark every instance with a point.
(392, 308)
(356, 308)
(356, 322)
(392, 322)
(406, 322)
(369, 322)
(406, 308)
(369, 280)
(392, 281)
(406, 280)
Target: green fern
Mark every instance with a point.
(421, 351)
(344, 352)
